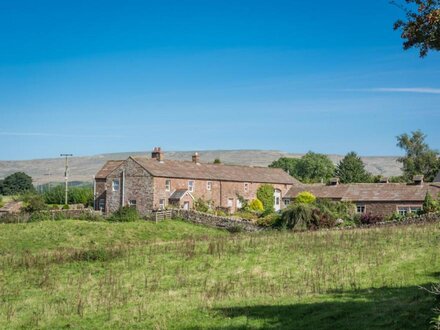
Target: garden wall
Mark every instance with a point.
(213, 220)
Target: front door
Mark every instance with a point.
(277, 196)
(186, 205)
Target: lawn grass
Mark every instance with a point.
(174, 275)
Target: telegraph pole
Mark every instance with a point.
(66, 175)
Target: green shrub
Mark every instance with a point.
(265, 194)
(248, 215)
(429, 204)
(256, 205)
(65, 207)
(34, 203)
(77, 195)
(1, 201)
(305, 197)
(125, 214)
(269, 220)
(337, 210)
(201, 205)
(298, 216)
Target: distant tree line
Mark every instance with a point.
(419, 158)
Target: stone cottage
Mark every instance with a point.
(380, 199)
(152, 183)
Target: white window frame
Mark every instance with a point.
(209, 185)
(191, 185)
(361, 208)
(167, 185)
(162, 204)
(101, 204)
(246, 187)
(132, 203)
(232, 202)
(286, 201)
(115, 182)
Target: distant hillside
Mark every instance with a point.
(83, 168)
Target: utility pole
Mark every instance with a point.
(66, 175)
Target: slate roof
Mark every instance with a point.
(220, 172)
(108, 168)
(178, 194)
(369, 192)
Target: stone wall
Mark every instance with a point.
(212, 220)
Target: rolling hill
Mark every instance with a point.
(83, 168)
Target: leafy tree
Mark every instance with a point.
(256, 205)
(289, 165)
(422, 26)
(17, 183)
(314, 167)
(77, 195)
(351, 169)
(305, 197)
(265, 194)
(419, 158)
(429, 204)
(217, 161)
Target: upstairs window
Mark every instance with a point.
(191, 186)
(209, 185)
(246, 187)
(115, 185)
(167, 185)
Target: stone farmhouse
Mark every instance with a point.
(380, 199)
(154, 183)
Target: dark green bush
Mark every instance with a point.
(125, 214)
(201, 205)
(34, 203)
(269, 220)
(77, 195)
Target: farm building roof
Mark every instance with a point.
(221, 172)
(203, 171)
(108, 168)
(369, 192)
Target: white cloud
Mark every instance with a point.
(36, 134)
(419, 90)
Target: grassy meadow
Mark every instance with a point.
(175, 275)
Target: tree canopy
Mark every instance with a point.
(351, 169)
(17, 183)
(419, 158)
(310, 168)
(421, 29)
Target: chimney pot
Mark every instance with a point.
(334, 181)
(196, 158)
(418, 179)
(157, 154)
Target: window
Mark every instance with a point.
(167, 185)
(161, 204)
(286, 201)
(115, 185)
(230, 202)
(277, 201)
(403, 210)
(239, 204)
(132, 203)
(360, 208)
(191, 186)
(209, 185)
(101, 204)
(415, 209)
(246, 187)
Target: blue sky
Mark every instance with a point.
(90, 77)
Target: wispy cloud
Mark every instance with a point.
(419, 90)
(37, 134)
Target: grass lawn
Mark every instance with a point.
(174, 275)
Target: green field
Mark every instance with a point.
(174, 275)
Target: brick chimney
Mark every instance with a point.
(418, 179)
(157, 154)
(334, 181)
(196, 158)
